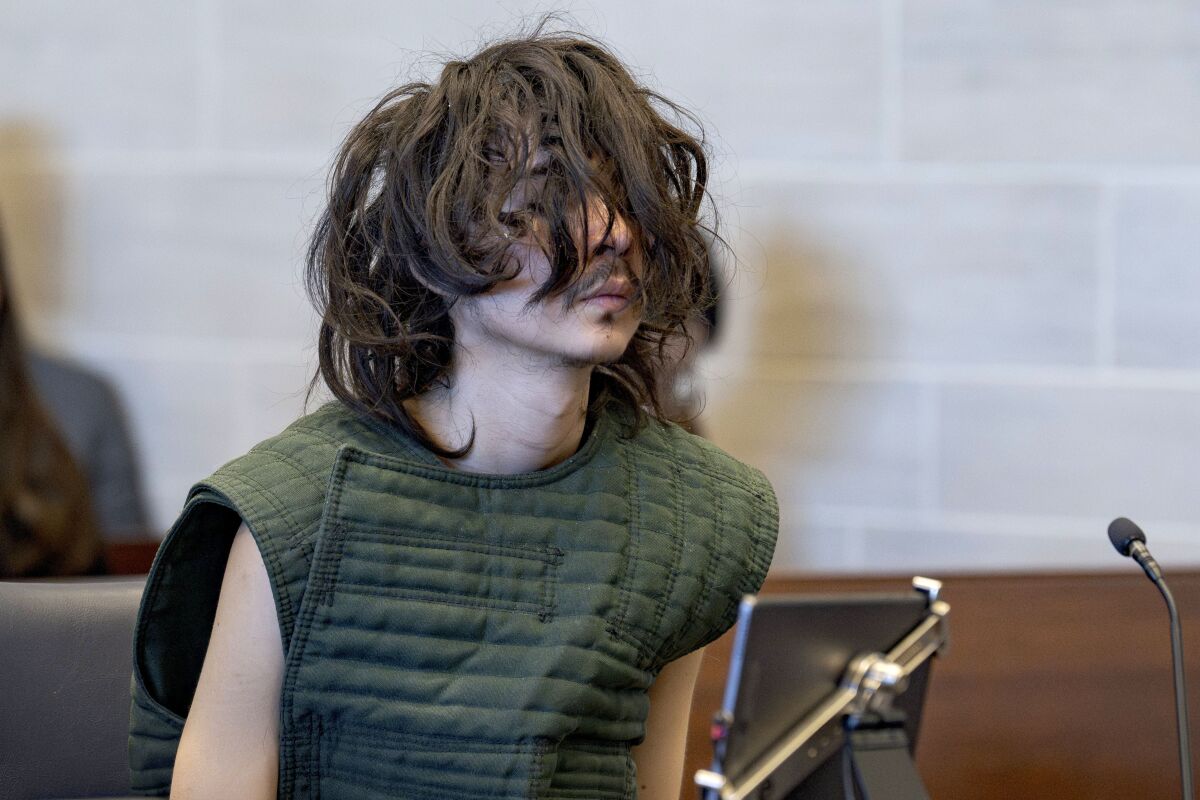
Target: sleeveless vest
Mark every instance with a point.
(450, 634)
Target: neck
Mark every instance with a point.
(526, 416)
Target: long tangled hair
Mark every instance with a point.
(414, 217)
(47, 525)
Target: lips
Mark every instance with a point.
(616, 288)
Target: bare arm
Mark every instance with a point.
(660, 757)
(230, 743)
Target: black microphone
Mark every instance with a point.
(1129, 540)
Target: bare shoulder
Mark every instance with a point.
(232, 728)
(246, 609)
(246, 627)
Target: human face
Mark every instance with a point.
(591, 322)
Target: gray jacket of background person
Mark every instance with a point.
(89, 416)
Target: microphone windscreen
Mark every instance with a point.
(1123, 533)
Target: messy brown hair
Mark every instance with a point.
(47, 525)
(414, 216)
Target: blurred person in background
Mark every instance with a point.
(90, 420)
(684, 401)
(47, 524)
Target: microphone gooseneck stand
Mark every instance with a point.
(1129, 540)
(1181, 712)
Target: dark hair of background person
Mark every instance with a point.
(414, 217)
(47, 526)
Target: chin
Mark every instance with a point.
(605, 351)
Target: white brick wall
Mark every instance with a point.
(965, 329)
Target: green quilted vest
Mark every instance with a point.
(450, 634)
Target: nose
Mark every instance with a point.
(618, 239)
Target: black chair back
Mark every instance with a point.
(65, 666)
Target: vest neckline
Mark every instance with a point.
(596, 435)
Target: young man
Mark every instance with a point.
(489, 569)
